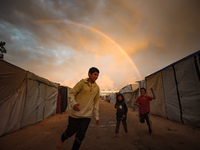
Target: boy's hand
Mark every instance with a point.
(76, 108)
(138, 104)
(59, 145)
(124, 116)
(97, 122)
(154, 96)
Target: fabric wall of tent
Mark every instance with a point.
(142, 84)
(112, 98)
(104, 97)
(63, 99)
(25, 98)
(177, 89)
(130, 93)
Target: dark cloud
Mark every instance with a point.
(47, 35)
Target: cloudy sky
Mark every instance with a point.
(126, 39)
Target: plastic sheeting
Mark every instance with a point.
(50, 101)
(171, 97)
(157, 106)
(10, 75)
(25, 98)
(178, 87)
(34, 105)
(189, 91)
(130, 93)
(41, 101)
(11, 111)
(182, 92)
(112, 98)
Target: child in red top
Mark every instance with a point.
(144, 106)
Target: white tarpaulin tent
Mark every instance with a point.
(177, 89)
(112, 98)
(130, 93)
(25, 98)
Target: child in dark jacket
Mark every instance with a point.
(121, 114)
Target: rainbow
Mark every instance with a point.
(102, 34)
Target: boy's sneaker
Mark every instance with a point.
(150, 131)
(115, 135)
(125, 134)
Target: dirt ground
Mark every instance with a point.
(167, 135)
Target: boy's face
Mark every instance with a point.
(93, 77)
(142, 92)
(119, 97)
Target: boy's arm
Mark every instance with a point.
(154, 96)
(96, 106)
(137, 102)
(126, 109)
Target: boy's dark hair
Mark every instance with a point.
(143, 89)
(93, 69)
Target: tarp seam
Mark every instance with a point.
(177, 90)
(196, 66)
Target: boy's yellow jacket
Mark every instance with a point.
(87, 95)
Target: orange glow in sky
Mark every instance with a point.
(101, 33)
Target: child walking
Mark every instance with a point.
(144, 107)
(121, 114)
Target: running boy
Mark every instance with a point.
(84, 99)
(144, 107)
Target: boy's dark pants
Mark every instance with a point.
(78, 126)
(118, 124)
(145, 117)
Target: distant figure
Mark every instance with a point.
(121, 114)
(108, 99)
(84, 99)
(144, 107)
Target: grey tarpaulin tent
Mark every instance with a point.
(177, 89)
(112, 98)
(25, 98)
(130, 93)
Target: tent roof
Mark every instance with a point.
(32, 76)
(12, 78)
(129, 88)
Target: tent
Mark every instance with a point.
(130, 93)
(177, 89)
(142, 84)
(112, 98)
(25, 98)
(63, 99)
